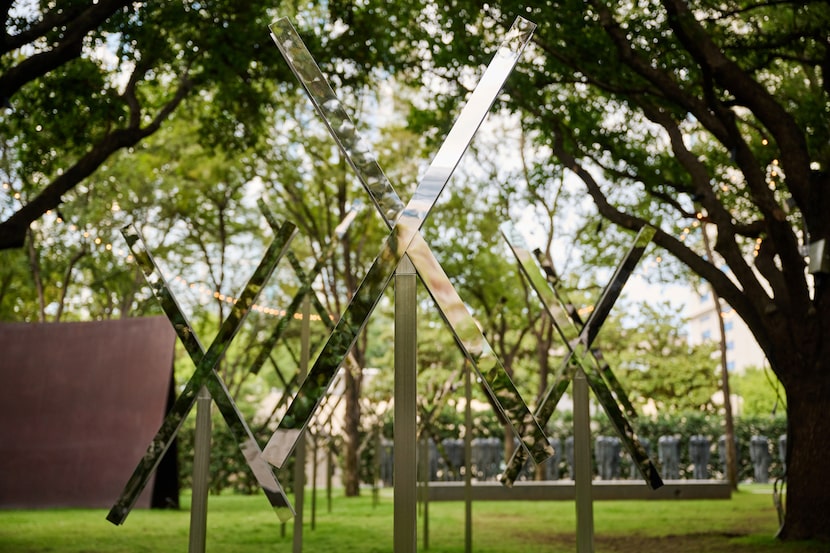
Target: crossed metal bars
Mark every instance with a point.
(205, 374)
(404, 238)
(306, 281)
(599, 376)
(405, 223)
(305, 291)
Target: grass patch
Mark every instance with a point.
(245, 524)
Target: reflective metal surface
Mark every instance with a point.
(331, 110)
(205, 375)
(478, 350)
(598, 375)
(405, 223)
(582, 465)
(563, 314)
(405, 521)
(306, 282)
(200, 485)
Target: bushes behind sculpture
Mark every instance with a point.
(233, 476)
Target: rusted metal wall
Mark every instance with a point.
(79, 404)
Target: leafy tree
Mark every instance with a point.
(760, 392)
(678, 114)
(82, 80)
(655, 364)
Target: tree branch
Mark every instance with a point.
(728, 74)
(68, 48)
(727, 289)
(642, 66)
(13, 229)
(67, 279)
(51, 20)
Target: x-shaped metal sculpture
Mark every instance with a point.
(600, 378)
(306, 290)
(205, 374)
(405, 223)
(306, 282)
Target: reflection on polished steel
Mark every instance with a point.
(478, 350)
(331, 110)
(580, 354)
(205, 375)
(564, 315)
(306, 281)
(405, 223)
(306, 290)
(450, 305)
(357, 150)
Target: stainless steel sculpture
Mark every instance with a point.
(579, 340)
(405, 223)
(206, 375)
(305, 291)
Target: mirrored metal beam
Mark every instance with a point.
(389, 205)
(363, 161)
(580, 356)
(478, 350)
(306, 282)
(205, 375)
(563, 314)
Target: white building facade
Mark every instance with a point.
(742, 350)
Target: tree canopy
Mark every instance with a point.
(80, 81)
(693, 117)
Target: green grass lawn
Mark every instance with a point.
(241, 524)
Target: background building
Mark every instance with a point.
(742, 350)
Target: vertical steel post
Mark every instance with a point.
(315, 456)
(201, 473)
(376, 468)
(405, 475)
(425, 476)
(583, 473)
(299, 458)
(329, 471)
(468, 459)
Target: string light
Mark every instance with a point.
(757, 249)
(206, 292)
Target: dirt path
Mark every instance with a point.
(688, 543)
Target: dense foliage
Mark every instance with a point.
(693, 117)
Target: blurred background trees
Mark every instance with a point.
(690, 117)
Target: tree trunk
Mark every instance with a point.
(808, 428)
(351, 429)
